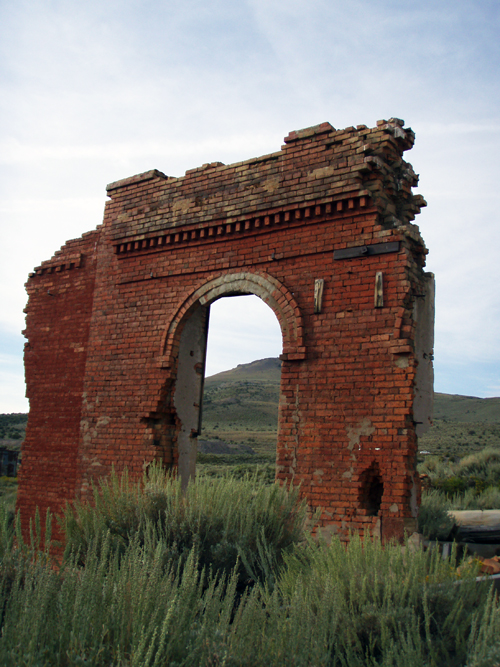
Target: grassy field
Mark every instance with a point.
(462, 425)
(456, 439)
(228, 574)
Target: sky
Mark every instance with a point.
(95, 91)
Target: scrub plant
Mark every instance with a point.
(384, 604)
(434, 520)
(231, 522)
(477, 472)
(226, 574)
(337, 605)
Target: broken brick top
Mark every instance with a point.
(316, 165)
(117, 324)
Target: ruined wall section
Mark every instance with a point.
(332, 205)
(318, 165)
(354, 442)
(61, 292)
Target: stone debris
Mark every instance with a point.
(490, 565)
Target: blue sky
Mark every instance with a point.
(91, 92)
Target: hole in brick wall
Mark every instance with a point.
(371, 490)
(242, 387)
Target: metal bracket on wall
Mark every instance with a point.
(366, 250)
(319, 284)
(379, 290)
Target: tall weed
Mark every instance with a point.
(115, 611)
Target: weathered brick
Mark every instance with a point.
(106, 314)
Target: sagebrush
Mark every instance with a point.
(123, 595)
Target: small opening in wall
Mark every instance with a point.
(371, 490)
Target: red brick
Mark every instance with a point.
(101, 363)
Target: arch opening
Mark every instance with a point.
(242, 388)
(185, 346)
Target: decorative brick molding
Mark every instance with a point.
(322, 232)
(204, 234)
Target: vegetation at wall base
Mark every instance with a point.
(234, 524)
(469, 483)
(126, 595)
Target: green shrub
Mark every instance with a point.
(436, 468)
(385, 605)
(477, 472)
(359, 605)
(129, 599)
(115, 611)
(434, 520)
(452, 485)
(481, 468)
(231, 522)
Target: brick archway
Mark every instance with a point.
(263, 285)
(183, 352)
(322, 231)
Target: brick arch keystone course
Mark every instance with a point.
(270, 290)
(323, 231)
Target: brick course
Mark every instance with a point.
(106, 316)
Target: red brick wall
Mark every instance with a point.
(57, 326)
(168, 246)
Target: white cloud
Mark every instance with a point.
(93, 92)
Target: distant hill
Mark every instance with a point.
(462, 424)
(452, 407)
(262, 370)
